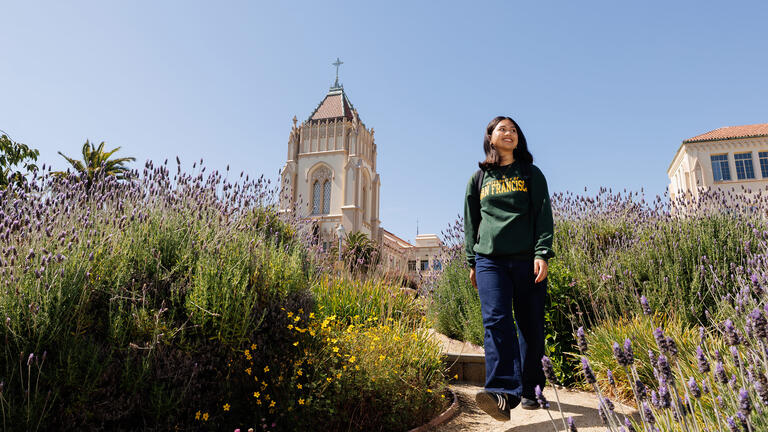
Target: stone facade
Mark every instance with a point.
(330, 176)
(720, 159)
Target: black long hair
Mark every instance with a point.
(492, 157)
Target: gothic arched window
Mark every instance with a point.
(321, 190)
(327, 197)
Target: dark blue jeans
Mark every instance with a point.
(512, 352)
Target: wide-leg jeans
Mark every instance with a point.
(508, 295)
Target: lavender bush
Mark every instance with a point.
(153, 303)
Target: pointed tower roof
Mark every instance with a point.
(335, 105)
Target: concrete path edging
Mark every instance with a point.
(444, 417)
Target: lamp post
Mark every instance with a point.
(340, 231)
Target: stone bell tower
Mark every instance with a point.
(330, 173)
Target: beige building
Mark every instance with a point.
(720, 159)
(331, 177)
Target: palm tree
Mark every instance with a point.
(96, 163)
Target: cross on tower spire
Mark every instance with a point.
(337, 63)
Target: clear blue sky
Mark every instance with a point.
(604, 91)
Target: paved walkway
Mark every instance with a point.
(582, 406)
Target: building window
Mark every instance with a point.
(316, 197)
(411, 265)
(437, 265)
(720, 169)
(327, 196)
(424, 265)
(744, 168)
(763, 163)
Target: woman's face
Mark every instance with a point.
(504, 137)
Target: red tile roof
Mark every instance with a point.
(729, 132)
(335, 105)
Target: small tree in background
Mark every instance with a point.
(12, 156)
(96, 162)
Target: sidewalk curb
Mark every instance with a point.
(446, 415)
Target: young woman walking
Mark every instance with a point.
(508, 237)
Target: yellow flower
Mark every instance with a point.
(290, 314)
(248, 371)
(226, 407)
(335, 349)
(205, 416)
(266, 368)
(290, 326)
(456, 376)
(301, 401)
(271, 404)
(247, 353)
(382, 357)
(253, 346)
(442, 396)
(256, 394)
(312, 332)
(296, 343)
(429, 391)
(338, 375)
(299, 372)
(357, 367)
(352, 359)
(298, 386)
(197, 415)
(311, 314)
(328, 379)
(296, 319)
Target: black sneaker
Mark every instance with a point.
(529, 404)
(496, 405)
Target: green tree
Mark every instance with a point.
(13, 155)
(96, 163)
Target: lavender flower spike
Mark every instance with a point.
(702, 361)
(611, 380)
(665, 370)
(628, 353)
(745, 404)
(630, 427)
(732, 424)
(571, 425)
(618, 353)
(644, 304)
(549, 370)
(720, 375)
(731, 336)
(694, 388)
(581, 340)
(541, 398)
(588, 374)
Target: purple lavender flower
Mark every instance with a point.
(642, 392)
(671, 347)
(644, 304)
(609, 404)
(694, 388)
(743, 420)
(731, 335)
(665, 370)
(629, 425)
(648, 414)
(541, 398)
(628, 353)
(655, 399)
(611, 380)
(549, 370)
(761, 387)
(720, 374)
(588, 374)
(571, 425)
(601, 413)
(745, 403)
(618, 353)
(701, 359)
(665, 399)
(581, 340)
(661, 340)
(732, 424)
(29, 360)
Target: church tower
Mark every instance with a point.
(330, 173)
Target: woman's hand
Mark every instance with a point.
(539, 269)
(472, 277)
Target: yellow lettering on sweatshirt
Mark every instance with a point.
(503, 185)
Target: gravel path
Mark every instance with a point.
(582, 406)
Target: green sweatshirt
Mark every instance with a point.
(502, 222)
